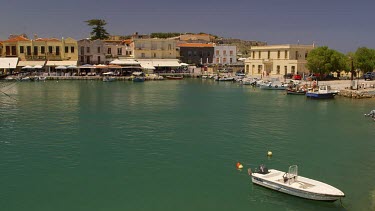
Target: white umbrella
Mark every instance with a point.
(124, 62)
(184, 64)
(108, 73)
(27, 67)
(60, 68)
(72, 67)
(38, 66)
(88, 66)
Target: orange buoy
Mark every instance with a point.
(239, 165)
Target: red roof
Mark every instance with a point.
(17, 39)
(128, 41)
(195, 45)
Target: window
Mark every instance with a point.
(82, 50)
(217, 60)
(286, 69)
(87, 49)
(66, 49)
(278, 54)
(98, 49)
(259, 68)
(217, 52)
(14, 50)
(72, 49)
(35, 50)
(82, 59)
(296, 54)
(286, 54)
(231, 53)
(259, 54)
(169, 47)
(50, 49)
(42, 49)
(99, 60)
(253, 54)
(278, 69)
(208, 54)
(306, 54)
(143, 55)
(109, 51)
(293, 70)
(88, 60)
(22, 49)
(190, 53)
(231, 60)
(224, 60)
(7, 50)
(269, 55)
(57, 50)
(225, 52)
(119, 51)
(247, 68)
(154, 55)
(195, 53)
(28, 50)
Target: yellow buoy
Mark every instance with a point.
(269, 153)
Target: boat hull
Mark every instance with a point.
(320, 95)
(138, 79)
(294, 192)
(267, 87)
(174, 77)
(295, 92)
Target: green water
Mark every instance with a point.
(173, 145)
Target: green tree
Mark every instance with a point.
(324, 61)
(364, 59)
(98, 32)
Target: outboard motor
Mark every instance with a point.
(263, 169)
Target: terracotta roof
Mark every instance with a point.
(195, 45)
(16, 39)
(47, 39)
(128, 41)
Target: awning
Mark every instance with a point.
(147, 65)
(124, 62)
(61, 63)
(161, 62)
(31, 63)
(6, 63)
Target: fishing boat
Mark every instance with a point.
(296, 90)
(139, 79)
(323, 92)
(108, 79)
(172, 77)
(290, 183)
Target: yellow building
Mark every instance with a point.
(277, 60)
(154, 48)
(40, 50)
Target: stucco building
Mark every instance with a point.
(149, 48)
(277, 60)
(225, 54)
(196, 53)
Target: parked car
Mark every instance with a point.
(369, 76)
(297, 77)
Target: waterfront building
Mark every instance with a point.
(148, 48)
(118, 49)
(224, 54)
(277, 60)
(91, 52)
(196, 53)
(41, 51)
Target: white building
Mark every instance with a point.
(277, 60)
(224, 54)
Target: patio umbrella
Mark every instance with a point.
(184, 64)
(60, 68)
(86, 66)
(72, 67)
(27, 67)
(38, 66)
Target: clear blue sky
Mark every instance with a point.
(340, 24)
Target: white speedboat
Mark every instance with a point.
(290, 183)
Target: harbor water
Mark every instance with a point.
(173, 145)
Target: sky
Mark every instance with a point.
(339, 24)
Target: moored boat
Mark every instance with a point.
(272, 86)
(139, 79)
(172, 77)
(323, 92)
(108, 79)
(291, 183)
